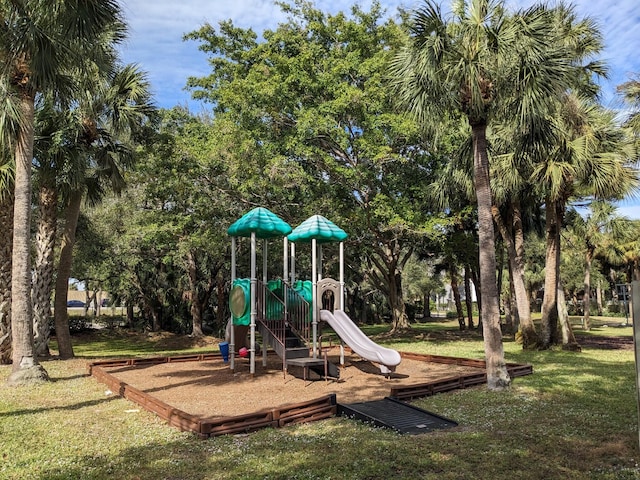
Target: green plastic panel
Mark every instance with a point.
(239, 300)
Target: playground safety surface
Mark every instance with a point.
(200, 393)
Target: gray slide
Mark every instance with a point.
(355, 338)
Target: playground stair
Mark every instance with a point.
(292, 347)
(283, 320)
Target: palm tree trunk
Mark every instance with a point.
(514, 241)
(497, 374)
(43, 269)
(63, 335)
(25, 367)
(6, 246)
(568, 339)
(549, 334)
(455, 290)
(586, 298)
(468, 298)
(476, 287)
(512, 307)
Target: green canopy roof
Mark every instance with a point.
(318, 227)
(262, 221)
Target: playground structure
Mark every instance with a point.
(276, 308)
(286, 311)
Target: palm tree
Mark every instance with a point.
(600, 233)
(631, 253)
(630, 92)
(486, 65)
(510, 221)
(587, 159)
(54, 150)
(40, 45)
(108, 119)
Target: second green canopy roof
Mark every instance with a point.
(262, 222)
(318, 228)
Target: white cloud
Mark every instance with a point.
(157, 28)
(156, 31)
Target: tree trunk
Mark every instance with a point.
(496, 368)
(455, 290)
(568, 339)
(476, 287)
(426, 307)
(468, 298)
(6, 247)
(26, 368)
(221, 312)
(156, 324)
(396, 302)
(196, 306)
(549, 334)
(599, 298)
(510, 310)
(130, 316)
(43, 269)
(513, 238)
(63, 335)
(386, 275)
(586, 298)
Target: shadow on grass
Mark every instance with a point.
(71, 407)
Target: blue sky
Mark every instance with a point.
(156, 29)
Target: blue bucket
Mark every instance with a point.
(224, 351)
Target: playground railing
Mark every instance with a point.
(298, 313)
(282, 308)
(270, 311)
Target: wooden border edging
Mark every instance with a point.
(426, 389)
(284, 415)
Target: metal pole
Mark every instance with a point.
(293, 263)
(265, 279)
(635, 302)
(253, 284)
(314, 295)
(285, 273)
(265, 274)
(232, 335)
(342, 276)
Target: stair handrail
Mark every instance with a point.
(286, 309)
(298, 313)
(267, 306)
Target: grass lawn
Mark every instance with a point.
(574, 418)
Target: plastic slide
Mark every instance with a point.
(355, 338)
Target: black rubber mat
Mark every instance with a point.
(399, 416)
